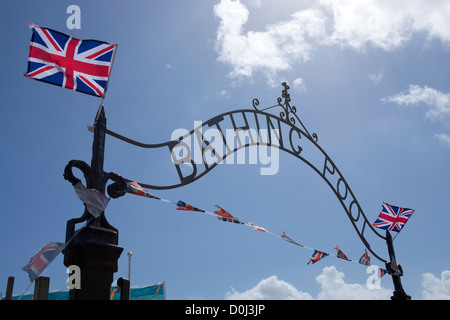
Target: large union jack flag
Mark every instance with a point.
(392, 218)
(80, 65)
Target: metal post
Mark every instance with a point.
(9, 288)
(94, 249)
(395, 271)
(41, 286)
(124, 285)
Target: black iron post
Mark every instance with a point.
(395, 270)
(94, 247)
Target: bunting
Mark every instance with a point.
(340, 254)
(317, 256)
(223, 215)
(381, 273)
(285, 237)
(256, 227)
(94, 200)
(184, 206)
(365, 259)
(134, 188)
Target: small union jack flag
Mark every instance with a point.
(134, 188)
(256, 227)
(224, 215)
(317, 256)
(285, 237)
(341, 254)
(42, 259)
(80, 65)
(365, 259)
(181, 205)
(392, 218)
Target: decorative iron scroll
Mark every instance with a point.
(280, 132)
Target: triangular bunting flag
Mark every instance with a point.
(187, 207)
(317, 256)
(223, 215)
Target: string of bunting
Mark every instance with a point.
(134, 188)
(391, 218)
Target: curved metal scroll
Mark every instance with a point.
(282, 133)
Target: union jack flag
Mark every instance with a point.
(181, 205)
(42, 259)
(365, 259)
(341, 254)
(317, 256)
(285, 237)
(256, 227)
(80, 65)
(94, 200)
(224, 215)
(381, 273)
(392, 217)
(134, 188)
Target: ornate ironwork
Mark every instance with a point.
(291, 138)
(287, 110)
(94, 175)
(94, 247)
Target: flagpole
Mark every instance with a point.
(25, 290)
(397, 234)
(109, 75)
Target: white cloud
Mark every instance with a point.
(223, 94)
(376, 77)
(332, 285)
(385, 24)
(299, 85)
(335, 288)
(444, 138)
(271, 51)
(435, 288)
(269, 289)
(438, 102)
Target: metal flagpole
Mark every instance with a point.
(109, 75)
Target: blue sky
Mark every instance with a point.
(370, 78)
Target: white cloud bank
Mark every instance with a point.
(333, 287)
(269, 289)
(435, 288)
(384, 24)
(271, 51)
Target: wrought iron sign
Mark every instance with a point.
(284, 131)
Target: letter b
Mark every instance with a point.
(74, 280)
